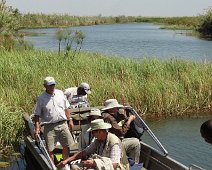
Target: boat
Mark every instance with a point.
(150, 157)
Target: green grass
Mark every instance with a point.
(150, 85)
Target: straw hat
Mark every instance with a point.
(95, 112)
(98, 124)
(111, 103)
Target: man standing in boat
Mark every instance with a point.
(52, 109)
(120, 125)
(78, 96)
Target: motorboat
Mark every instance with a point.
(151, 158)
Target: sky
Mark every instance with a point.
(161, 8)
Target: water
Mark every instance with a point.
(182, 139)
(132, 40)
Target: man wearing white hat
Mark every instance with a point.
(52, 109)
(106, 145)
(120, 126)
(78, 96)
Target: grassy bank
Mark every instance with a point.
(150, 85)
(47, 21)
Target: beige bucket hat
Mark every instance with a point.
(94, 112)
(98, 124)
(111, 103)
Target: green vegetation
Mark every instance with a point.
(183, 23)
(205, 24)
(72, 39)
(44, 20)
(9, 25)
(154, 86)
(151, 86)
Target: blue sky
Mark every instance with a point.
(113, 7)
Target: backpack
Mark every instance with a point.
(134, 131)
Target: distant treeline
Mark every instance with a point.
(11, 20)
(44, 20)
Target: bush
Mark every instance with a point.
(205, 26)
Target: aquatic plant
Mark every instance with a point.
(11, 128)
(72, 39)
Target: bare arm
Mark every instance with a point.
(37, 125)
(68, 115)
(130, 119)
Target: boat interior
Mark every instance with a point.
(151, 158)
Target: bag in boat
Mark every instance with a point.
(134, 131)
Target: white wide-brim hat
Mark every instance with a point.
(111, 103)
(99, 124)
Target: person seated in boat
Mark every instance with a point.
(85, 137)
(206, 131)
(120, 122)
(78, 96)
(105, 152)
(52, 110)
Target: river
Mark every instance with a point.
(132, 40)
(180, 137)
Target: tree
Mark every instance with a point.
(8, 25)
(72, 39)
(205, 26)
(60, 35)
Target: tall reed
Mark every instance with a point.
(150, 85)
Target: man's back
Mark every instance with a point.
(75, 100)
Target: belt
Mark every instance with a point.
(60, 122)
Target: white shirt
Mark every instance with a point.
(75, 100)
(70, 92)
(51, 108)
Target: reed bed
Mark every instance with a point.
(11, 129)
(153, 87)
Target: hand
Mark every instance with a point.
(37, 133)
(89, 163)
(62, 164)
